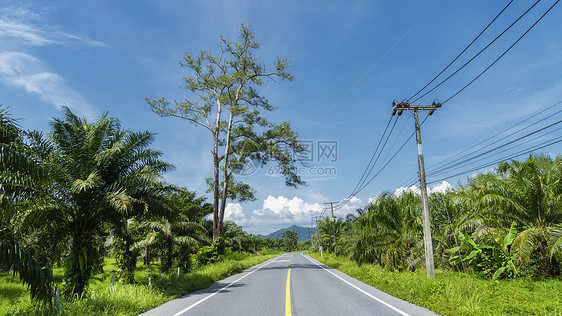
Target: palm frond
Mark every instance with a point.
(38, 279)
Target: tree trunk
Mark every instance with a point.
(225, 175)
(216, 164)
(217, 225)
(147, 258)
(129, 261)
(80, 261)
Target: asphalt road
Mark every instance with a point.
(290, 284)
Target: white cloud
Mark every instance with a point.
(36, 35)
(295, 207)
(439, 188)
(26, 72)
(22, 27)
(233, 212)
(349, 207)
(276, 212)
(280, 212)
(401, 190)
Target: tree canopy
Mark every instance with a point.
(224, 99)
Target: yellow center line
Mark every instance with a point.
(288, 295)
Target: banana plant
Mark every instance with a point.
(487, 255)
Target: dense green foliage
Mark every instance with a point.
(290, 240)
(93, 190)
(502, 224)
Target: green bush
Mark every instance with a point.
(210, 254)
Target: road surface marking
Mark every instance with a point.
(362, 291)
(288, 295)
(218, 291)
(282, 260)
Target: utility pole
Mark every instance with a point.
(315, 218)
(333, 224)
(398, 108)
(310, 231)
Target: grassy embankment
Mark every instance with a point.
(453, 293)
(127, 299)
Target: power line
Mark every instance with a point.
(498, 147)
(391, 158)
(507, 50)
(520, 153)
(363, 180)
(478, 54)
(497, 59)
(495, 135)
(451, 165)
(469, 160)
(513, 147)
(348, 90)
(378, 156)
(464, 50)
(373, 155)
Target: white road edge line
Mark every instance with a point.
(362, 291)
(219, 290)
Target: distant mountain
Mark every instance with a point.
(302, 233)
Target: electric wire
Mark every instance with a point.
(501, 151)
(451, 165)
(505, 158)
(514, 144)
(391, 158)
(373, 155)
(380, 152)
(364, 183)
(478, 54)
(511, 148)
(446, 161)
(464, 50)
(507, 50)
(371, 164)
(464, 162)
(497, 59)
(395, 140)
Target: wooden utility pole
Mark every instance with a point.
(333, 224)
(398, 108)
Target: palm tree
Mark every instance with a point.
(99, 174)
(237, 238)
(19, 176)
(452, 213)
(326, 233)
(390, 232)
(290, 238)
(271, 243)
(530, 193)
(172, 235)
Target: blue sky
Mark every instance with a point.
(351, 60)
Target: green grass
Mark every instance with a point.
(457, 294)
(127, 299)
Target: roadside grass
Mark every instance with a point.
(127, 299)
(452, 293)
